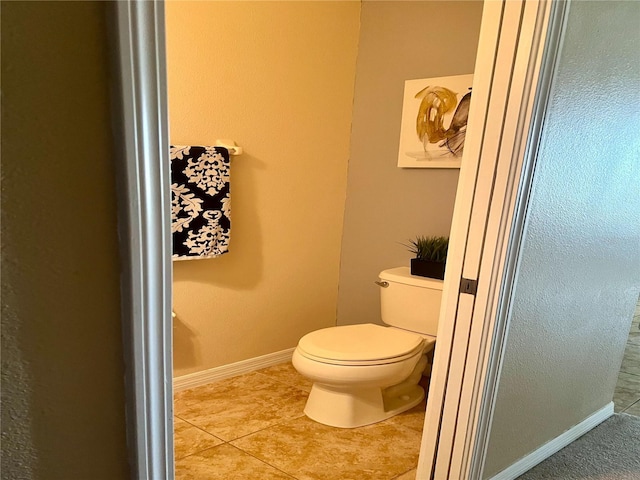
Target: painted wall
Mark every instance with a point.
(278, 78)
(579, 273)
(63, 414)
(386, 205)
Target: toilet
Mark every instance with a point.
(363, 374)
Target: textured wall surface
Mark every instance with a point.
(387, 205)
(277, 77)
(62, 365)
(579, 273)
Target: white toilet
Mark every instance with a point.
(367, 373)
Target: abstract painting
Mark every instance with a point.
(434, 122)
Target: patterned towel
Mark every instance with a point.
(200, 203)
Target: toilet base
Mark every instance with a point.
(351, 408)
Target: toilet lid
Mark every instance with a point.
(364, 342)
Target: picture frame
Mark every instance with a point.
(434, 121)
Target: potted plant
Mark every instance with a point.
(431, 256)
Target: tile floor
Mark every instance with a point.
(253, 426)
(627, 394)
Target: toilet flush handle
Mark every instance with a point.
(382, 284)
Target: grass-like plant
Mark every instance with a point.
(429, 248)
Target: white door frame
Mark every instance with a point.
(509, 84)
(523, 37)
(144, 227)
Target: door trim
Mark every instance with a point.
(140, 125)
(525, 155)
(523, 41)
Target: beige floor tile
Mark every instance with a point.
(286, 373)
(411, 475)
(225, 462)
(238, 406)
(634, 409)
(631, 360)
(311, 451)
(188, 439)
(627, 391)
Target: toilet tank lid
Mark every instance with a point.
(359, 342)
(403, 275)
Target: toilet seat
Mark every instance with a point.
(360, 345)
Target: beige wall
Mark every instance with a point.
(277, 77)
(63, 414)
(579, 265)
(387, 205)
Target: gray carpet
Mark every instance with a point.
(611, 451)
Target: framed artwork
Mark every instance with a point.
(434, 121)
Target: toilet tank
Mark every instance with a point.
(410, 302)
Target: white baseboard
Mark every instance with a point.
(555, 445)
(227, 371)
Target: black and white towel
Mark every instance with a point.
(200, 202)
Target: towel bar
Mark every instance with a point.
(229, 145)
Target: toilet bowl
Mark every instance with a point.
(367, 373)
(374, 376)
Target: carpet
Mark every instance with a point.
(611, 451)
